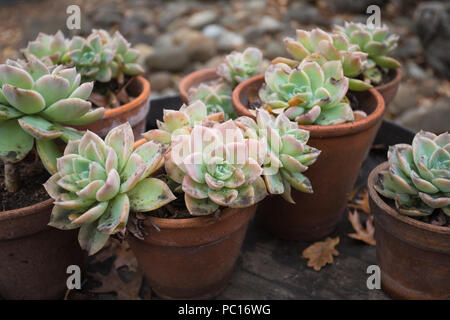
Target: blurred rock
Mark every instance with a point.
(415, 71)
(172, 11)
(408, 48)
(406, 98)
(229, 41)
(433, 28)
(170, 58)
(350, 6)
(160, 80)
(135, 21)
(198, 46)
(214, 31)
(305, 15)
(200, 19)
(435, 118)
(145, 52)
(107, 14)
(275, 49)
(147, 35)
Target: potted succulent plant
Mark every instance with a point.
(189, 248)
(410, 200)
(380, 70)
(111, 63)
(214, 86)
(342, 125)
(189, 220)
(361, 49)
(37, 103)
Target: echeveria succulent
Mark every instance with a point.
(287, 154)
(239, 66)
(48, 48)
(332, 46)
(35, 104)
(216, 166)
(98, 182)
(176, 122)
(418, 178)
(126, 57)
(376, 42)
(309, 93)
(216, 96)
(94, 56)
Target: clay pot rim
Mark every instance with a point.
(184, 86)
(133, 104)
(395, 81)
(195, 222)
(392, 212)
(317, 130)
(25, 211)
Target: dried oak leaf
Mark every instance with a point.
(321, 253)
(364, 234)
(359, 201)
(125, 257)
(113, 283)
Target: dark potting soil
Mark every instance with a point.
(112, 94)
(32, 176)
(437, 218)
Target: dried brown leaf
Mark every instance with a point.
(125, 257)
(359, 201)
(113, 283)
(366, 233)
(321, 253)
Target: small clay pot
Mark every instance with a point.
(135, 112)
(33, 256)
(194, 79)
(191, 258)
(333, 175)
(389, 89)
(413, 256)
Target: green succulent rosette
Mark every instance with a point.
(37, 102)
(377, 42)
(287, 155)
(215, 167)
(240, 66)
(309, 93)
(418, 177)
(333, 47)
(98, 182)
(176, 122)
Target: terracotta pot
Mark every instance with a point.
(191, 258)
(135, 112)
(343, 147)
(33, 256)
(194, 79)
(414, 257)
(389, 90)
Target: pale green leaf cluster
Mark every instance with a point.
(36, 103)
(418, 177)
(98, 182)
(287, 155)
(99, 57)
(376, 42)
(310, 93)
